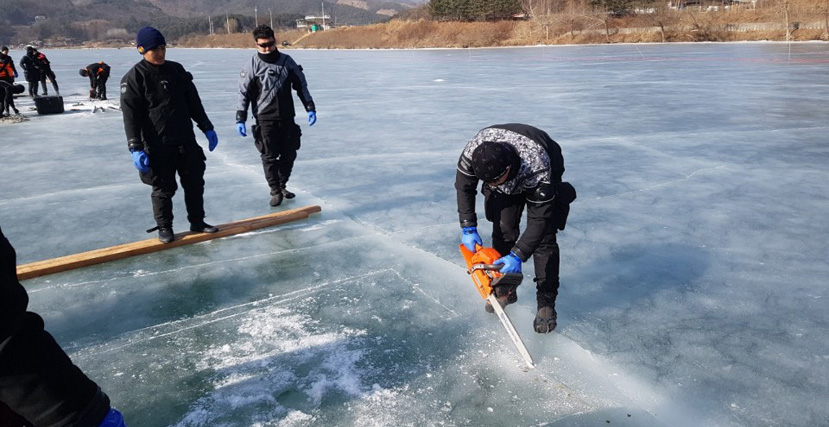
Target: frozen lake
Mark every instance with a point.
(693, 264)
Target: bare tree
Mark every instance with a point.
(826, 19)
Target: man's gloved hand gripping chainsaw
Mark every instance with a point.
(487, 278)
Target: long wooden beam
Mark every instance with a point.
(98, 256)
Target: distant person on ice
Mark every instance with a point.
(98, 74)
(520, 166)
(265, 85)
(30, 70)
(39, 384)
(7, 92)
(159, 100)
(7, 70)
(46, 72)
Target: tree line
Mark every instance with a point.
(493, 10)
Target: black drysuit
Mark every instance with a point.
(98, 74)
(46, 72)
(158, 103)
(38, 381)
(536, 184)
(7, 98)
(265, 85)
(30, 70)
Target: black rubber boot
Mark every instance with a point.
(505, 295)
(165, 234)
(287, 194)
(546, 319)
(276, 199)
(203, 227)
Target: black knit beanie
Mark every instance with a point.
(148, 38)
(491, 159)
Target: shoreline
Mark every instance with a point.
(529, 46)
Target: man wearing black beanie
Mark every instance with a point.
(30, 70)
(159, 100)
(520, 166)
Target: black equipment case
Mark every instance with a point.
(49, 104)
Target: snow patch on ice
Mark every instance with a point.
(280, 359)
(294, 418)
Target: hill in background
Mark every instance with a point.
(114, 22)
(339, 10)
(70, 22)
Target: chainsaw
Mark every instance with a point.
(486, 276)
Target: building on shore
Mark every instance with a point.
(315, 23)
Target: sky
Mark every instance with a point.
(693, 262)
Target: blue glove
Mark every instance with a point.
(15, 74)
(141, 161)
(113, 418)
(242, 129)
(512, 264)
(470, 237)
(312, 118)
(212, 139)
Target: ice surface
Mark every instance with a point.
(693, 265)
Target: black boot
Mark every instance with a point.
(276, 199)
(203, 227)
(505, 295)
(546, 318)
(287, 194)
(165, 234)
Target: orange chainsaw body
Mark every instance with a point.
(482, 277)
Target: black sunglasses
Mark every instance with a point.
(268, 44)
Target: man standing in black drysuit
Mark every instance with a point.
(520, 166)
(265, 85)
(30, 70)
(159, 100)
(39, 384)
(46, 73)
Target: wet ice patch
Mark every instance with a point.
(320, 225)
(17, 118)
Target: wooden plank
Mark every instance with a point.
(98, 256)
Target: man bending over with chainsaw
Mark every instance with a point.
(520, 166)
